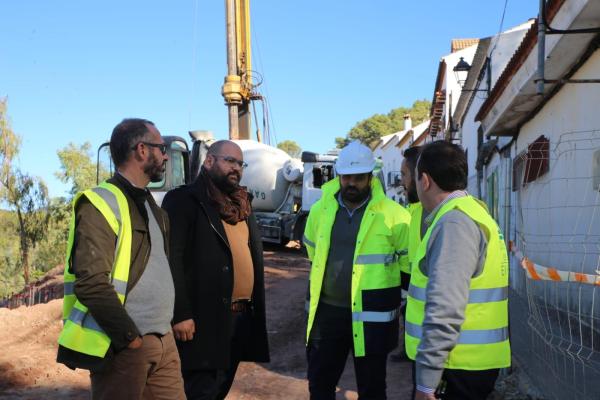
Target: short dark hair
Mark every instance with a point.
(125, 136)
(446, 164)
(411, 155)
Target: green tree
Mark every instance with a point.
(29, 198)
(10, 279)
(370, 130)
(50, 252)
(291, 147)
(9, 148)
(77, 167)
(25, 195)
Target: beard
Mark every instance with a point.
(353, 195)
(155, 169)
(227, 183)
(411, 193)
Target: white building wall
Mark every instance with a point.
(560, 223)
(392, 159)
(501, 50)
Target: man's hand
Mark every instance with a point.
(424, 396)
(135, 343)
(184, 330)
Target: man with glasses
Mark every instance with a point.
(117, 250)
(216, 255)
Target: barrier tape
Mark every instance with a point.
(538, 272)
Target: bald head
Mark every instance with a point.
(224, 164)
(221, 146)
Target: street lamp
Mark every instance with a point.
(461, 71)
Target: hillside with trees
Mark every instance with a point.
(371, 129)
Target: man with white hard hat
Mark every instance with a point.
(357, 241)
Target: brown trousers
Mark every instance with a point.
(151, 372)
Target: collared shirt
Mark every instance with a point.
(453, 195)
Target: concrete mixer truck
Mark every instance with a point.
(283, 188)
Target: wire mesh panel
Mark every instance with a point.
(555, 265)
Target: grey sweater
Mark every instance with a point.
(455, 253)
(151, 301)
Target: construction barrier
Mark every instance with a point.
(538, 272)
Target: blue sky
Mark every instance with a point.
(73, 69)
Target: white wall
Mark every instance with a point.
(560, 222)
(502, 48)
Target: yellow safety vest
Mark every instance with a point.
(81, 332)
(483, 342)
(381, 249)
(414, 233)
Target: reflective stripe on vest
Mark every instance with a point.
(81, 332)
(119, 285)
(375, 316)
(366, 259)
(475, 295)
(84, 319)
(69, 288)
(473, 336)
(307, 241)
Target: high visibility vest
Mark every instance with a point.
(483, 342)
(381, 249)
(81, 332)
(414, 233)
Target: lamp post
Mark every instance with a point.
(461, 73)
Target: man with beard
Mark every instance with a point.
(216, 256)
(117, 250)
(416, 230)
(357, 241)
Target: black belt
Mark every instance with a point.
(238, 306)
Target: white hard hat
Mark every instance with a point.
(355, 158)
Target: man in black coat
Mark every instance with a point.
(217, 266)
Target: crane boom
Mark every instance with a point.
(237, 89)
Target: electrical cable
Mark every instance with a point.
(499, 29)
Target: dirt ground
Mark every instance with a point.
(28, 347)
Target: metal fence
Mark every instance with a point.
(554, 224)
(31, 296)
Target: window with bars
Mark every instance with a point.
(532, 164)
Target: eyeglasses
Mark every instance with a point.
(160, 146)
(232, 161)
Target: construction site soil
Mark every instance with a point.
(28, 335)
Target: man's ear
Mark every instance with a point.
(208, 161)
(425, 181)
(137, 153)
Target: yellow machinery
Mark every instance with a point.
(238, 88)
